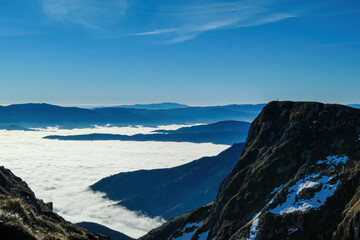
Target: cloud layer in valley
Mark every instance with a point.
(61, 171)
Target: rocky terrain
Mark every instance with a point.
(172, 191)
(24, 217)
(298, 178)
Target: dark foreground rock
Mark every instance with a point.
(298, 178)
(24, 217)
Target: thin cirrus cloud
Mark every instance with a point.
(172, 22)
(93, 14)
(192, 20)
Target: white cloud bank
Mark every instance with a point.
(61, 171)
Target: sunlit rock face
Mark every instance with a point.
(297, 178)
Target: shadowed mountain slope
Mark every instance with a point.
(172, 191)
(97, 228)
(298, 178)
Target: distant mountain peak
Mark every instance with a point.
(155, 106)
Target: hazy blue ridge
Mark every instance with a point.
(43, 115)
(98, 228)
(172, 191)
(224, 132)
(155, 106)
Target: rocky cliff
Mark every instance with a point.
(23, 216)
(298, 178)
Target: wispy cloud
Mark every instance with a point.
(192, 20)
(88, 13)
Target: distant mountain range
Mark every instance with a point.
(224, 132)
(172, 191)
(43, 115)
(155, 106)
(14, 128)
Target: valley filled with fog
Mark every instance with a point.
(61, 171)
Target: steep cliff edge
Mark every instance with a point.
(23, 216)
(298, 178)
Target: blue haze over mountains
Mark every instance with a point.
(171, 191)
(224, 132)
(44, 115)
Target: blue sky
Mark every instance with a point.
(200, 52)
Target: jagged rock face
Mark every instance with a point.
(298, 177)
(23, 216)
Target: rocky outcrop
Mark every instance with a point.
(298, 178)
(23, 216)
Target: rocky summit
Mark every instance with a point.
(24, 217)
(297, 178)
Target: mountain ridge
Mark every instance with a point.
(297, 178)
(224, 132)
(98, 228)
(154, 106)
(171, 191)
(44, 115)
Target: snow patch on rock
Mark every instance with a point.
(276, 189)
(204, 235)
(294, 203)
(188, 231)
(333, 161)
(254, 228)
(292, 230)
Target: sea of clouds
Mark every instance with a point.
(62, 171)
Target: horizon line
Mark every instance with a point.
(125, 104)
